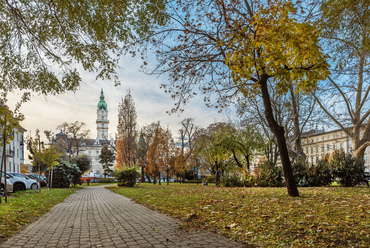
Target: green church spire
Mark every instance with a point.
(102, 105)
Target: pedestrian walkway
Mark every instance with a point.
(97, 217)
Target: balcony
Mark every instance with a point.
(9, 153)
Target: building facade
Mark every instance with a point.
(317, 143)
(14, 151)
(92, 147)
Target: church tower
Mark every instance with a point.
(102, 118)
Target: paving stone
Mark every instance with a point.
(96, 217)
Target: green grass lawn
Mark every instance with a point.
(24, 207)
(266, 217)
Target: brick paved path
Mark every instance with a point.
(97, 217)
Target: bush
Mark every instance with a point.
(249, 180)
(107, 180)
(210, 179)
(320, 174)
(63, 175)
(127, 177)
(307, 175)
(269, 175)
(300, 173)
(232, 180)
(346, 169)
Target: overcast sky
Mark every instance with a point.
(46, 113)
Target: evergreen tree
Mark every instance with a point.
(106, 158)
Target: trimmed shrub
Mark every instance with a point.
(269, 175)
(347, 170)
(127, 177)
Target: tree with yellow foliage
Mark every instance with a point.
(237, 50)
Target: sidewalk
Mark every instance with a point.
(97, 217)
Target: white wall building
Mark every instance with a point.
(317, 143)
(92, 147)
(14, 151)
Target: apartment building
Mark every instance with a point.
(317, 143)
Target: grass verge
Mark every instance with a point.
(266, 217)
(24, 207)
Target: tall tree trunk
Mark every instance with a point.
(356, 141)
(297, 132)
(280, 137)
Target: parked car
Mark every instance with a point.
(30, 182)
(9, 187)
(19, 183)
(39, 179)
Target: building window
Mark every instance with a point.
(328, 136)
(90, 152)
(317, 139)
(311, 149)
(317, 149)
(307, 150)
(317, 159)
(312, 160)
(333, 146)
(97, 152)
(327, 147)
(323, 137)
(322, 149)
(341, 145)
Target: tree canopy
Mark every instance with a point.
(43, 41)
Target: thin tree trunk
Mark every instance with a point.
(297, 132)
(3, 162)
(280, 137)
(142, 173)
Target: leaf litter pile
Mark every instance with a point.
(266, 217)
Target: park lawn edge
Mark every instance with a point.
(267, 217)
(25, 207)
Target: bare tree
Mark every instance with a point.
(75, 135)
(344, 95)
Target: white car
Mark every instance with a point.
(30, 183)
(9, 187)
(19, 183)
